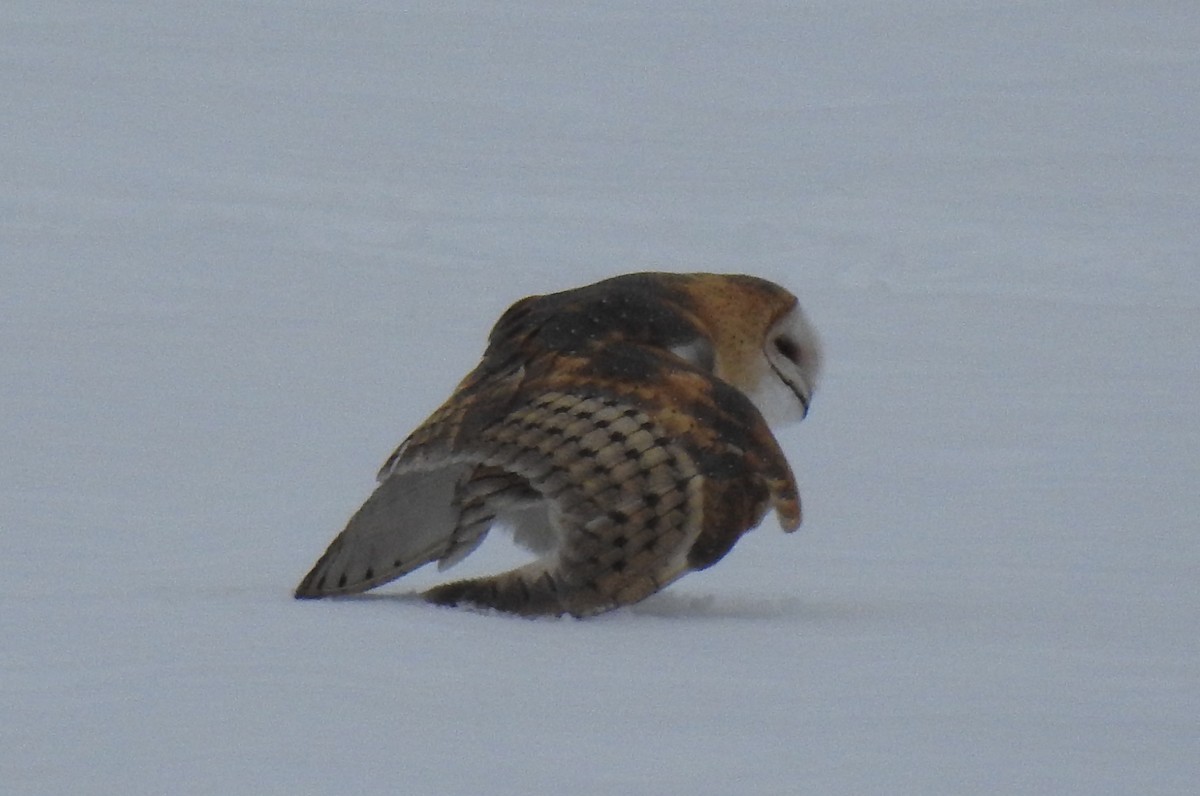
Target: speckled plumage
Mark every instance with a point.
(616, 426)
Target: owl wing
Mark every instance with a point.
(743, 471)
(651, 468)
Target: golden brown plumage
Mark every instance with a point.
(616, 426)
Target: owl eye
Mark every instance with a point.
(788, 349)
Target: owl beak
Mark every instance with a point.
(803, 395)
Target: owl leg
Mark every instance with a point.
(531, 590)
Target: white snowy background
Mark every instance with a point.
(246, 246)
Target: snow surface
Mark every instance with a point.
(247, 246)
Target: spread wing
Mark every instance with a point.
(650, 467)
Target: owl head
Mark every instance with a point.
(754, 336)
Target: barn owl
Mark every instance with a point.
(619, 429)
